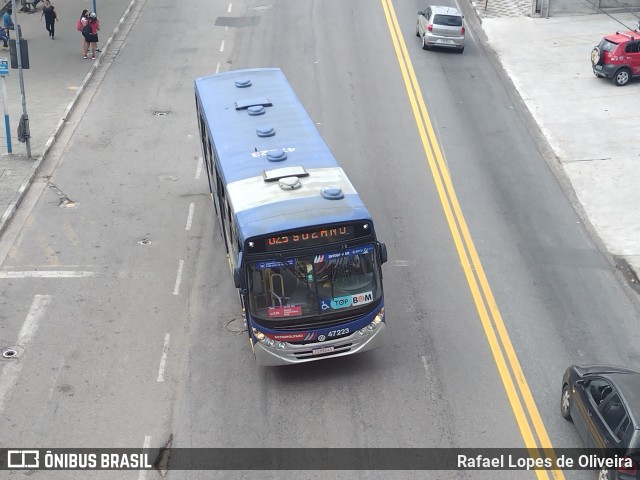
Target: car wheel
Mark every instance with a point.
(605, 474)
(622, 77)
(461, 50)
(565, 403)
(417, 32)
(595, 56)
(424, 43)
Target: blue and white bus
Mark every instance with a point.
(300, 243)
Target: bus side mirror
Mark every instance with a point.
(383, 253)
(238, 278)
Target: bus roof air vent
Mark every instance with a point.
(265, 131)
(255, 110)
(332, 193)
(277, 155)
(278, 173)
(243, 103)
(289, 183)
(243, 83)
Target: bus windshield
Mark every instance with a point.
(329, 283)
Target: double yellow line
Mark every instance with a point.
(515, 384)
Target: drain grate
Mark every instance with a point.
(162, 113)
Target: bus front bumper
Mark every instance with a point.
(292, 353)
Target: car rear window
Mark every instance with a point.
(448, 20)
(607, 46)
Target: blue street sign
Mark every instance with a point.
(4, 66)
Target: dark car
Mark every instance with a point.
(604, 404)
(617, 57)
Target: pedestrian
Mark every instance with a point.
(90, 33)
(4, 38)
(82, 21)
(7, 22)
(50, 17)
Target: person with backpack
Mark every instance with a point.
(82, 21)
(90, 33)
(50, 17)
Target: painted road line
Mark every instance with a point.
(142, 474)
(229, 9)
(192, 207)
(46, 274)
(11, 370)
(176, 288)
(163, 358)
(199, 166)
(222, 46)
(484, 300)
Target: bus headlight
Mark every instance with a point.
(362, 331)
(259, 335)
(281, 344)
(262, 338)
(377, 320)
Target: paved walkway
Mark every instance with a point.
(52, 83)
(590, 123)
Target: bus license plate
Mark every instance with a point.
(320, 351)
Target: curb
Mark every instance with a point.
(13, 206)
(476, 10)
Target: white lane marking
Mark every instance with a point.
(176, 288)
(222, 46)
(229, 9)
(218, 68)
(29, 327)
(199, 167)
(47, 274)
(192, 207)
(163, 358)
(402, 263)
(147, 443)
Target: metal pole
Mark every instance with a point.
(25, 116)
(7, 125)
(95, 10)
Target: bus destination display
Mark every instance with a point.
(309, 238)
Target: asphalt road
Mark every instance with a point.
(142, 342)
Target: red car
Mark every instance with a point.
(617, 57)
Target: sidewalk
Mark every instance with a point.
(588, 121)
(56, 75)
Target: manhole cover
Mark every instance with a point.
(161, 113)
(9, 353)
(144, 241)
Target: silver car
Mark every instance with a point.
(441, 27)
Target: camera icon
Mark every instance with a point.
(23, 459)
